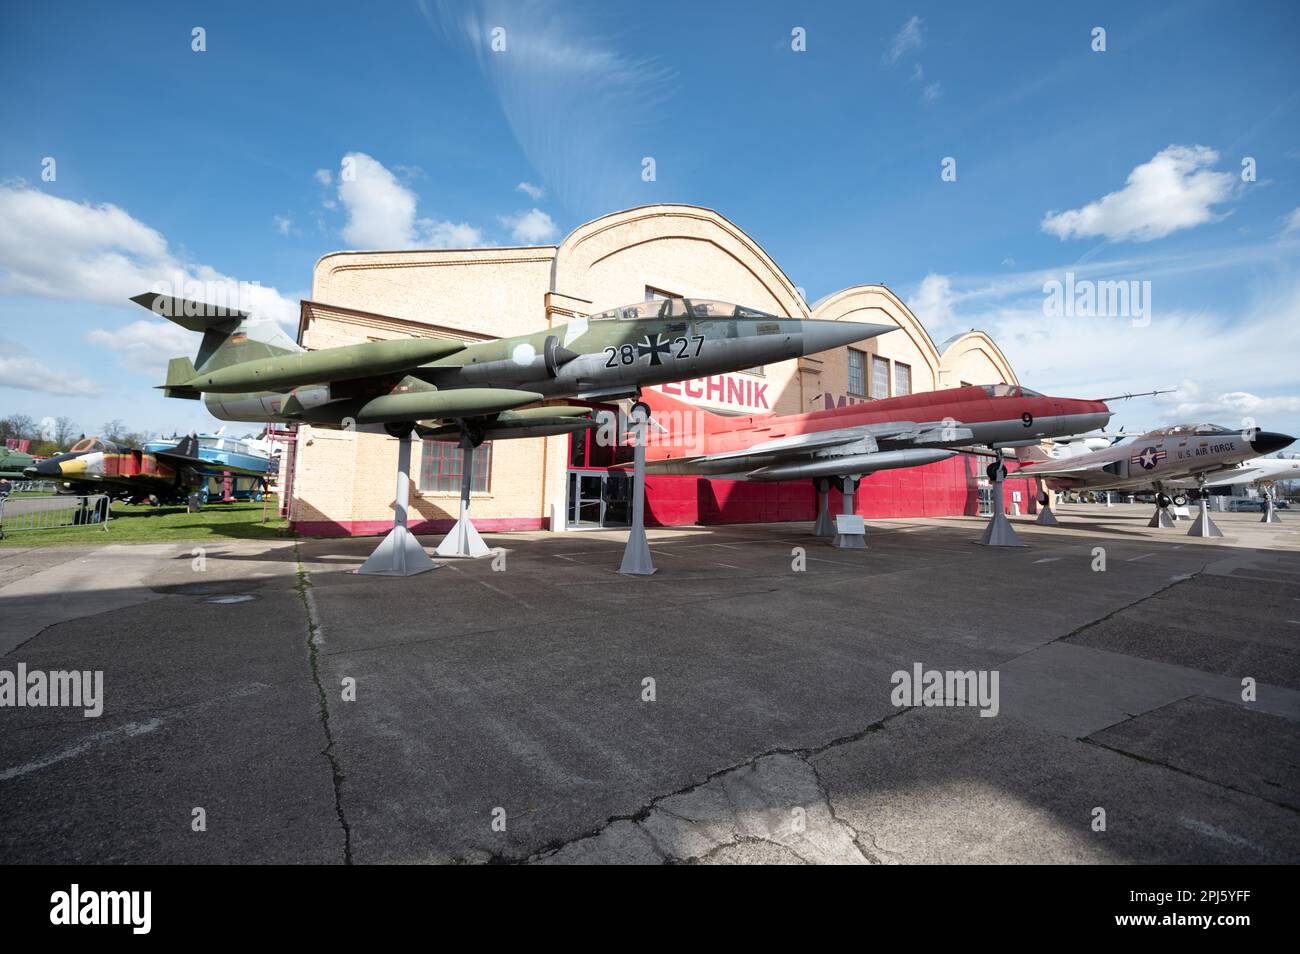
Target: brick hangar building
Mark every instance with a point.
(342, 481)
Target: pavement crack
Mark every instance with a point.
(805, 753)
(1115, 612)
(1182, 771)
(303, 588)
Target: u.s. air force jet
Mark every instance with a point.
(248, 369)
(1160, 459)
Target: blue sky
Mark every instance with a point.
(1117, 165)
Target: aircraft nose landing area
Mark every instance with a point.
(763, 697)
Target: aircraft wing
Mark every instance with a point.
(513, 424)
(820, 445)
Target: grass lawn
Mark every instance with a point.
(141, 523)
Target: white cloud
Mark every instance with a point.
(1234, 406)
(1292, 222)
(534, 192)
(908, 38)
(1227, 364)
(934, 300)
(931, 93)
(324, 176)
(918, 73)
(381, 211)
(282, 224)
(530, 228)
(18, 369)
(56, 248)
(144, 345)
(440, 234)
(559, 71)
(1174, 191)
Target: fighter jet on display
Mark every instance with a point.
(1158, 459)
(97, 466)
(248, 369)
(864, 438)
(1261, 473)
(13, 463)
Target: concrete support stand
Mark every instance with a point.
(999, 532)
(1202, 525)
(636, 555)
(463, 540)
(1161, 519)
(399, 554)
(1045, 516)
(825, 526)
(848, 540)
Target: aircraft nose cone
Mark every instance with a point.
(821, 335)
(1266, 442)
(44, 468)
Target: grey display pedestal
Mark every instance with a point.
(399, 554)
(825, 526)
(463, 540)
(999, 532)
(1202, 525)
(636, 555)
(850, 529)
(1270, 512)
(1046, 518)
(1161, 519)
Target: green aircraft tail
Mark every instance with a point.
(230, 337)
(180, 371)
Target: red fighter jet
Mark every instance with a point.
(842, 445)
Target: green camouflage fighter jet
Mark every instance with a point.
(13, 463)
(248, 369)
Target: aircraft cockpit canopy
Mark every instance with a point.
(680, 308)
(88, 445)
(1009, 390)
(1199, 430)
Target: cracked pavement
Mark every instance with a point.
(501, 717)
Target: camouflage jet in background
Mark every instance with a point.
(248, 369)
(13, 463)
(97, 466)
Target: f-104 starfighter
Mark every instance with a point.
(248, 369)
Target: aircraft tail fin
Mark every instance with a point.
(180, 371)
(230, 336)
(1033, 454)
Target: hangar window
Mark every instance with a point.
(879, 376)
(857, 373)
(440, 468)
(902, 379)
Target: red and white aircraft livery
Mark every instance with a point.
(860, 439)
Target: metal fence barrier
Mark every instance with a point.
(31, 487)
(54, 513)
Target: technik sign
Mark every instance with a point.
(737, 393)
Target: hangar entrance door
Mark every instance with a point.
(598, 498)
(595, 495)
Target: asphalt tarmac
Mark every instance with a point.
(263, 703)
